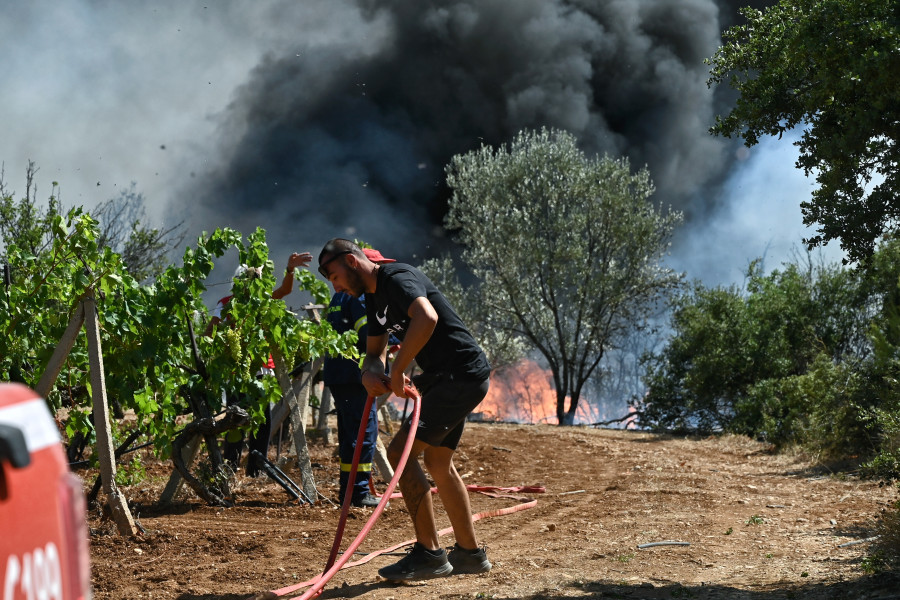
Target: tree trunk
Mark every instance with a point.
(189, 453)
(563, 416)
(560, 407)
(573, 408)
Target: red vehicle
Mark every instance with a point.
(43, 530)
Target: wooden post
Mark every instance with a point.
(282, 409)
(380, 459)
(56, 362)
(295, 404)
(298, 404)
(287, 389)
(383, 415)
(105, 453)
(324, 408)
(313, 311)
(315, 409)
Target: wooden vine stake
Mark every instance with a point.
(294, 405)
(325, 406)
(105, 453)
(86, 314)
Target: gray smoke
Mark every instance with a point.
(349, 135)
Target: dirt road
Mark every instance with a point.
(755, 525)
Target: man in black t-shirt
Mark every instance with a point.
(402, 301)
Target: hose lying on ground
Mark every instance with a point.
(273, 594)
(333, 565)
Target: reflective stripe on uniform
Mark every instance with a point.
(363, 467)
(360, 323)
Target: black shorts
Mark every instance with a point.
(446, 402)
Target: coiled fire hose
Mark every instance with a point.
(333, 566)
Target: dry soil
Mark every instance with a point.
(754, 525)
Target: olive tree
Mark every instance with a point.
(832, 68)
(567, 248)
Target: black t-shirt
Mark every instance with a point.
(451, 348)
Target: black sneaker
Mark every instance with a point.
(418, 564)
(367, 501)
(468, 561)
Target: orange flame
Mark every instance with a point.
(521, 393)
(524, 393)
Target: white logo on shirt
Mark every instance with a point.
(382, 318)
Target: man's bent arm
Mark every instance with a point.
(422, 321)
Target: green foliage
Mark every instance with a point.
(144, 249)
(765, 362)
(883, 370)
(253, 323)
(888, 543)
(25, 224)
(698, 377)
(808, 355)
(817, 410)
(317, 288)
(873, 563)
(38, 305)
(755, 520)
(831, 67)
(567, 248)
(131, 472)
(886, 380)
(146, 331)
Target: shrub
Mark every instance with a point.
(884, 554)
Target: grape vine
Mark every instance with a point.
(148, 332)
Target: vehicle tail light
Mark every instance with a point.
(74, 516)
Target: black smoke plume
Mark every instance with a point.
(350, 137)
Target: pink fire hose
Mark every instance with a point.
(348, 492)
(272, 595)
(333, 566)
